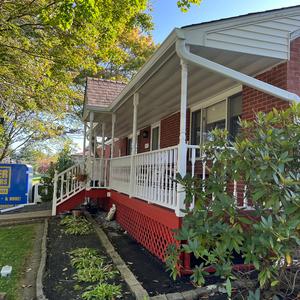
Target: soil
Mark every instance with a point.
(149, 270)
(58, 280)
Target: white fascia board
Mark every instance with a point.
(196, 60)
(244, 19)
(131, 88)
(294, 35)
(96, 108)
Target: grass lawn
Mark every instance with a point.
(16, 243)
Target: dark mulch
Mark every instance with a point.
(58, 280)
(149, 270)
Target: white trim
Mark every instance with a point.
(249, 81)
(217, 98)
(209, 102)
(155, 125)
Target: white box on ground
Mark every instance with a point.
(6, 271)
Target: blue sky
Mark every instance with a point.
(166, 14)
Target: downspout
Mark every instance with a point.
(249, 81)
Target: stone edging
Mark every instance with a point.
(137, 289)
(39, 278)
(133, 284)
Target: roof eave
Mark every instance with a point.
(131, 86)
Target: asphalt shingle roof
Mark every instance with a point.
(102, 92)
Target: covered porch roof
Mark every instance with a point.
(248, 44)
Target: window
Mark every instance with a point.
(213, 117)
(129, 146)
(234, 113)
(224, 114)
(155, 137)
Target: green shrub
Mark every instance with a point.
(265, 156)
(76, 225)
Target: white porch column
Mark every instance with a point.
(133, 144)
(182, 147)
(90, 162)
(103, 140)
(91, 133)
(84, 141)
(113, 122)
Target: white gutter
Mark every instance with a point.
(196, 60)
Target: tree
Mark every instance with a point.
(266, 158)
(63, 162)
(185, 5)
(47, 48)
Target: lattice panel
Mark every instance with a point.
(153, 235)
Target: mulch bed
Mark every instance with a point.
(58, 280)
(149, 270)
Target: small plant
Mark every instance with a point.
(95, 274)
(91, 268)
(103, 291)
(76, 225)
(86, 258)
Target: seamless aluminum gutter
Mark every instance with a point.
(259, 85)
(178, 36)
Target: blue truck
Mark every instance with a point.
(15, 185)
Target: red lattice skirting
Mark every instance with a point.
(148, 224)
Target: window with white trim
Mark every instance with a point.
(223, 114)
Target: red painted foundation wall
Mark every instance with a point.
(148, 224)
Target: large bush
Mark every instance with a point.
(265, 156)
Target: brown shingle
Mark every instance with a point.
(102, 92)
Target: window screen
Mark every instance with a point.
(155, 138)
(196, 128)
(234, 113)
(214, 117)
(129, 146)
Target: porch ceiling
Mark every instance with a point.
(160, 95)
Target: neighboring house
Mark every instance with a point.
(202, 76)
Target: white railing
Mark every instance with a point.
(120, 174)
(68, 183)
(99, 173)
(198, 167)
(154, 177)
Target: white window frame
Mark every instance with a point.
(211, 101)
(155, 125)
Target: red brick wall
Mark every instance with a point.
(285, 76)
(293, 68)
(107, 151)
(169, 129)
(141, 142)
(120, 146)
(254, 101)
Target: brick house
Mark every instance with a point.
(202, 76)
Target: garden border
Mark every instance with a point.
(134, 285)
(39, 278)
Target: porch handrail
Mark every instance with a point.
(67, 183)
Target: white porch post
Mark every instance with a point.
(84, 141)
(91, 134)
(133, 144)
(90, 163)
(103, 140)
(182, 147)
(113, 122)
